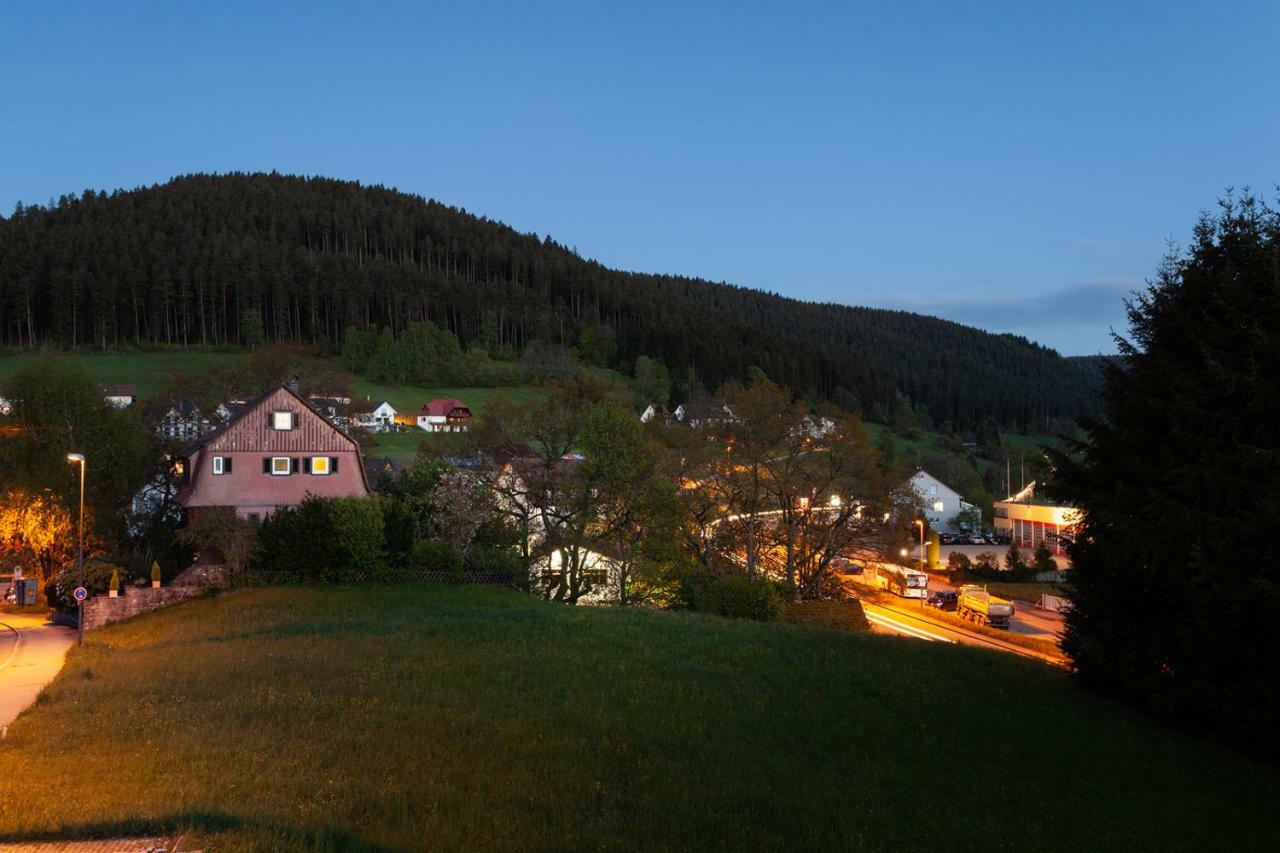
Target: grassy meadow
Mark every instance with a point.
(156, 373)
(432, 717)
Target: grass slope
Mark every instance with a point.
(457, 718)
(155, 373)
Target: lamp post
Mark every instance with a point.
(78, 458)
(920, 523)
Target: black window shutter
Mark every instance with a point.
(293, 420)
(293, 465)
(333, 464)
(266, 464)
(226, 464)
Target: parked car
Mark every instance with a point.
(977, 539)
(943, 599)
(946, 539)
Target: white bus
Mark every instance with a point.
(899, 580)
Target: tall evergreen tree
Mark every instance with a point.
(1175, 582)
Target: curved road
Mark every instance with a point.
(31, 654)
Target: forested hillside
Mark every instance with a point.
(180, 263)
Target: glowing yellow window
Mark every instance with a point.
(319, 465)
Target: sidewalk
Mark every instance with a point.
(29, 661)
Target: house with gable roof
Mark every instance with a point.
(275, 451)
(445, 414)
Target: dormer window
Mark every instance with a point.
(282, 421)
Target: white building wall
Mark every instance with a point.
(941, 502)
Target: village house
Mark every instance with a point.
(274, 452)
(231, 407)
(332, 407)
(699, 415)
(374, 417)
(445, 414)
(942, 504)
(184, 421)
(119, 396)
(528, 491)
(655, 411)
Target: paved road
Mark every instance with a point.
(31, 654)
(906, 618)
(1027, 619)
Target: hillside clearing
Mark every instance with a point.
(398, 718)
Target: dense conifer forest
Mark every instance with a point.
(179, 264)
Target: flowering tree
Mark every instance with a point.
(459, 508)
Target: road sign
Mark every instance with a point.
(81, 593)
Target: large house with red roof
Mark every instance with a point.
(275, 451)
(445, 415)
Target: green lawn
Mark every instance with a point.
(417, 717)
(154, 373)
(1030, 591)
(408, 399)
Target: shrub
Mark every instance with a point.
(735, 598)
(329, 539)
(987, 561)
(400, 529)
(482, 559)
(432, 556)
(1042, 559)
(358, 546)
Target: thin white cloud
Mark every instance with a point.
(1096, 301)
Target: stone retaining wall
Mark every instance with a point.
(103, 610)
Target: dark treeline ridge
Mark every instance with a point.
(178, 264)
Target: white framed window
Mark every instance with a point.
(320, 465)
(939, 506)
(281, 466)
(282, 420)
(222, 464)
(933, 490)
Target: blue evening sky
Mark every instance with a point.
(1015, 166)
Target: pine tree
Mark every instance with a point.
(1175, 580)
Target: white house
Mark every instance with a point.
(119, 396)
(445, 414)
(654, 410)
(527, 490)
(376, 417)
(941, 502)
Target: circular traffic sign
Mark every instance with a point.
(81, 593)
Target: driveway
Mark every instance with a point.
(31, 654)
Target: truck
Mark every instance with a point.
(975, 604)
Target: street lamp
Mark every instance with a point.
(920, 523)
(78, 458)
